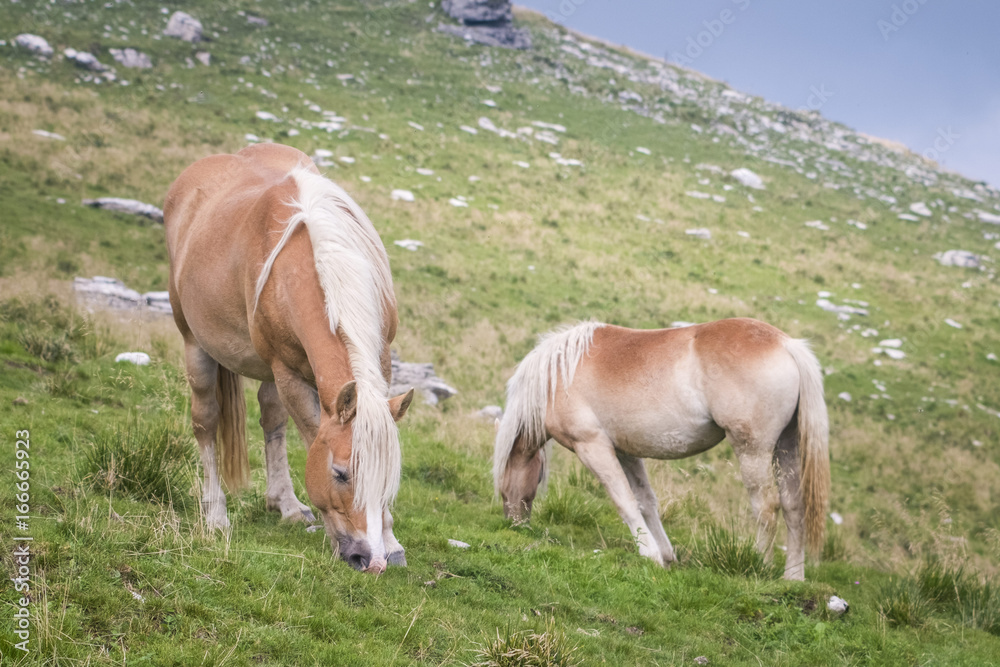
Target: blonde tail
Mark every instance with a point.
(231, 437)
(814, 450)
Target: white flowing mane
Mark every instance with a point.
(557, 355)
(354, 273)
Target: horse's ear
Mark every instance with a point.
(347, 402)
(399, 405)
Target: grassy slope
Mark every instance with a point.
(910, 487)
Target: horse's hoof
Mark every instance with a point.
(398, 558)
(310, 517)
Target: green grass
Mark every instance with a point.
(914, 488)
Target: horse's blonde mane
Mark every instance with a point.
(557, 356)
(354, 273)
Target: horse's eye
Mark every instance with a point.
(340, 474)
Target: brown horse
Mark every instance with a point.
(615, 396)
(276, 274)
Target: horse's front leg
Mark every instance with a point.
(649, 506)
(598, 454)
(397, 555)
(280, 492)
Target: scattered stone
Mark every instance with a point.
(891, 342)
(700, 233)
(132, 206)
(458, 544)
(131, 58)
(35, 44)
(472, 12)
(420, 377)
(458, 202)
(104, 293)
(747, 178)
(889, 352)
(402, 195)
(837, 605)
(314, 528)
(485, 22)
(680, 324)
(137, 358)
(522, 164)
(556, 127)
(857, 223)
(908, 217)
(818, 224)
(48, 135)
(184, 26)
(85, 60)
(490, 413)
(204, 57)
(267, 115)
(258, 20)
(743, 234)
(961, 258)
(425, 172)
(698, 195)
(920, 208)
(952, 323)
(989, 218)
(991, 357)
(409, 244)
(830, 307)
(701, 660)
(837, 518)
(635, 631)
(20, 400)
(643, 150)
(844, 396)
(415, 126)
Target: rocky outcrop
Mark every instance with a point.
(131, 58)
(103, 293)
(34, 43)
(132, 206)
(485, 22)
(183, 26)
(84, 60)
(420, 377)
(961, 258)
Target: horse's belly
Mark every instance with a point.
(675, 440)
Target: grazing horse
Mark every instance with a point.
(615, 396)
(276, 274)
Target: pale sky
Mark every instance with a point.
(915, 71)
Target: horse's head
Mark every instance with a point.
(520, 480)
(355, 527)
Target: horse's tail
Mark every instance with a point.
(231, 437)
(556, 356)
(814, 436)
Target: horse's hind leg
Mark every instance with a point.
(280, 492)
(202, 375)
(789, 475)
(649, 507)
(756, 458)
(598, 454)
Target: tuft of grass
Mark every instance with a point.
(901, 602)
(724, 551)
(48, 345)
(145, 460)
(549, 648)
(566, 505)
(953, 591)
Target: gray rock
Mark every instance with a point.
(490, 413)
(85, 60)
(131, 58)
(420, 377)
(102, 293)
(204, 57)
(126, 206)
(747, 178)
(258, 20)
(506, 37)
(34, 43)
(183, 26)
(472, 12)
(962, 258)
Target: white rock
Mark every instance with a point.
(470, 130)
(48, 135)
(409, 244)
(817, 224)
(204, 57)
(643, 150)
(680, 324)
(415, 126)
(830, 307)
(837, 519)
(745, 235)
(990, 218)
(837, 605)
(34, 43)
(907, 216)
(856, 223)
(991, 357)
(84, 59)
(891, 342)
(522, 164)
(961, 258)
(747, 178)
(699, 232)
(184, 26)
(251, 137)
(490, 103)
(458, 544)
(894, 354)
(402, 195)
(458, 202)
(490, 413)
(952, 323)
(549, 126)
(132, 206)
(137, 358)
(425, 172)
(844, 396)
(920, 208)
(267, 115)
(131, 58)
(346, 159)
(698, 195)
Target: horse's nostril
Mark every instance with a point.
(357, 561)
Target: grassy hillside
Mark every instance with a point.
(124, 571)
